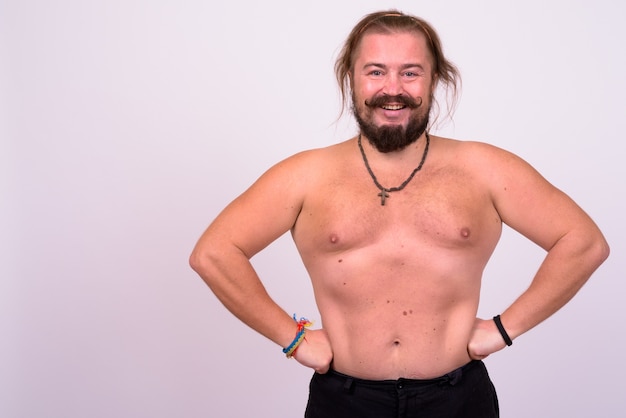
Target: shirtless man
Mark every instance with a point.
(395, 227)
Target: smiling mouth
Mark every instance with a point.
(397, 102)
(393, 106)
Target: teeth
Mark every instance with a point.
(393, 107)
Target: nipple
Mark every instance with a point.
(465, 232)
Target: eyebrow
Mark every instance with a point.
(402, 67)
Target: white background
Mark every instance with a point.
(127, 125)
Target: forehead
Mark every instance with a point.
(394, 47)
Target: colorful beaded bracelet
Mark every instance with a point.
(303, 323)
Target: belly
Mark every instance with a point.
(398, 316)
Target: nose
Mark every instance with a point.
(393, 85)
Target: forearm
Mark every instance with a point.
(566, 268)
(233, 280)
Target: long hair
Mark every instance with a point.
(393, 21)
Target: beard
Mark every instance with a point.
(389, 138)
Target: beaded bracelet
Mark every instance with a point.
(303, 323)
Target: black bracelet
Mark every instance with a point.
(506, 337)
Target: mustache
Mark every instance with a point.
(378, 101)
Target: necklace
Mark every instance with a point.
(384, 192)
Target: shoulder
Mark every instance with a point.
(478, 155)
(470, 147)
(312, 161)
(496, 169)
(300, 172)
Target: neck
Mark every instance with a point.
(410, 153)
(385, 190)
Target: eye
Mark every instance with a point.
(376, 73)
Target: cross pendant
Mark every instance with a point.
(383, 195)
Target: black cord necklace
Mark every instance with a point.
(384, 192)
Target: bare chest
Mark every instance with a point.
(444, 209)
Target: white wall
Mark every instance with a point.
(125, 126)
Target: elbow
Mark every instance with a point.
(599, 250)
(603, 250)
(200, 261)
(195, 261)
(210, 260)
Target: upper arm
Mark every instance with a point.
(530, 204)
(264, 212)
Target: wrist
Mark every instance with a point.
(302, 324)
(505, 336)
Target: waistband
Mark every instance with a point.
(450, 378)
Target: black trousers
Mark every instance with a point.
(466, 392)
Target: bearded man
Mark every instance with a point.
(395, 227)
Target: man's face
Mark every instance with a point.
(392, 89)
